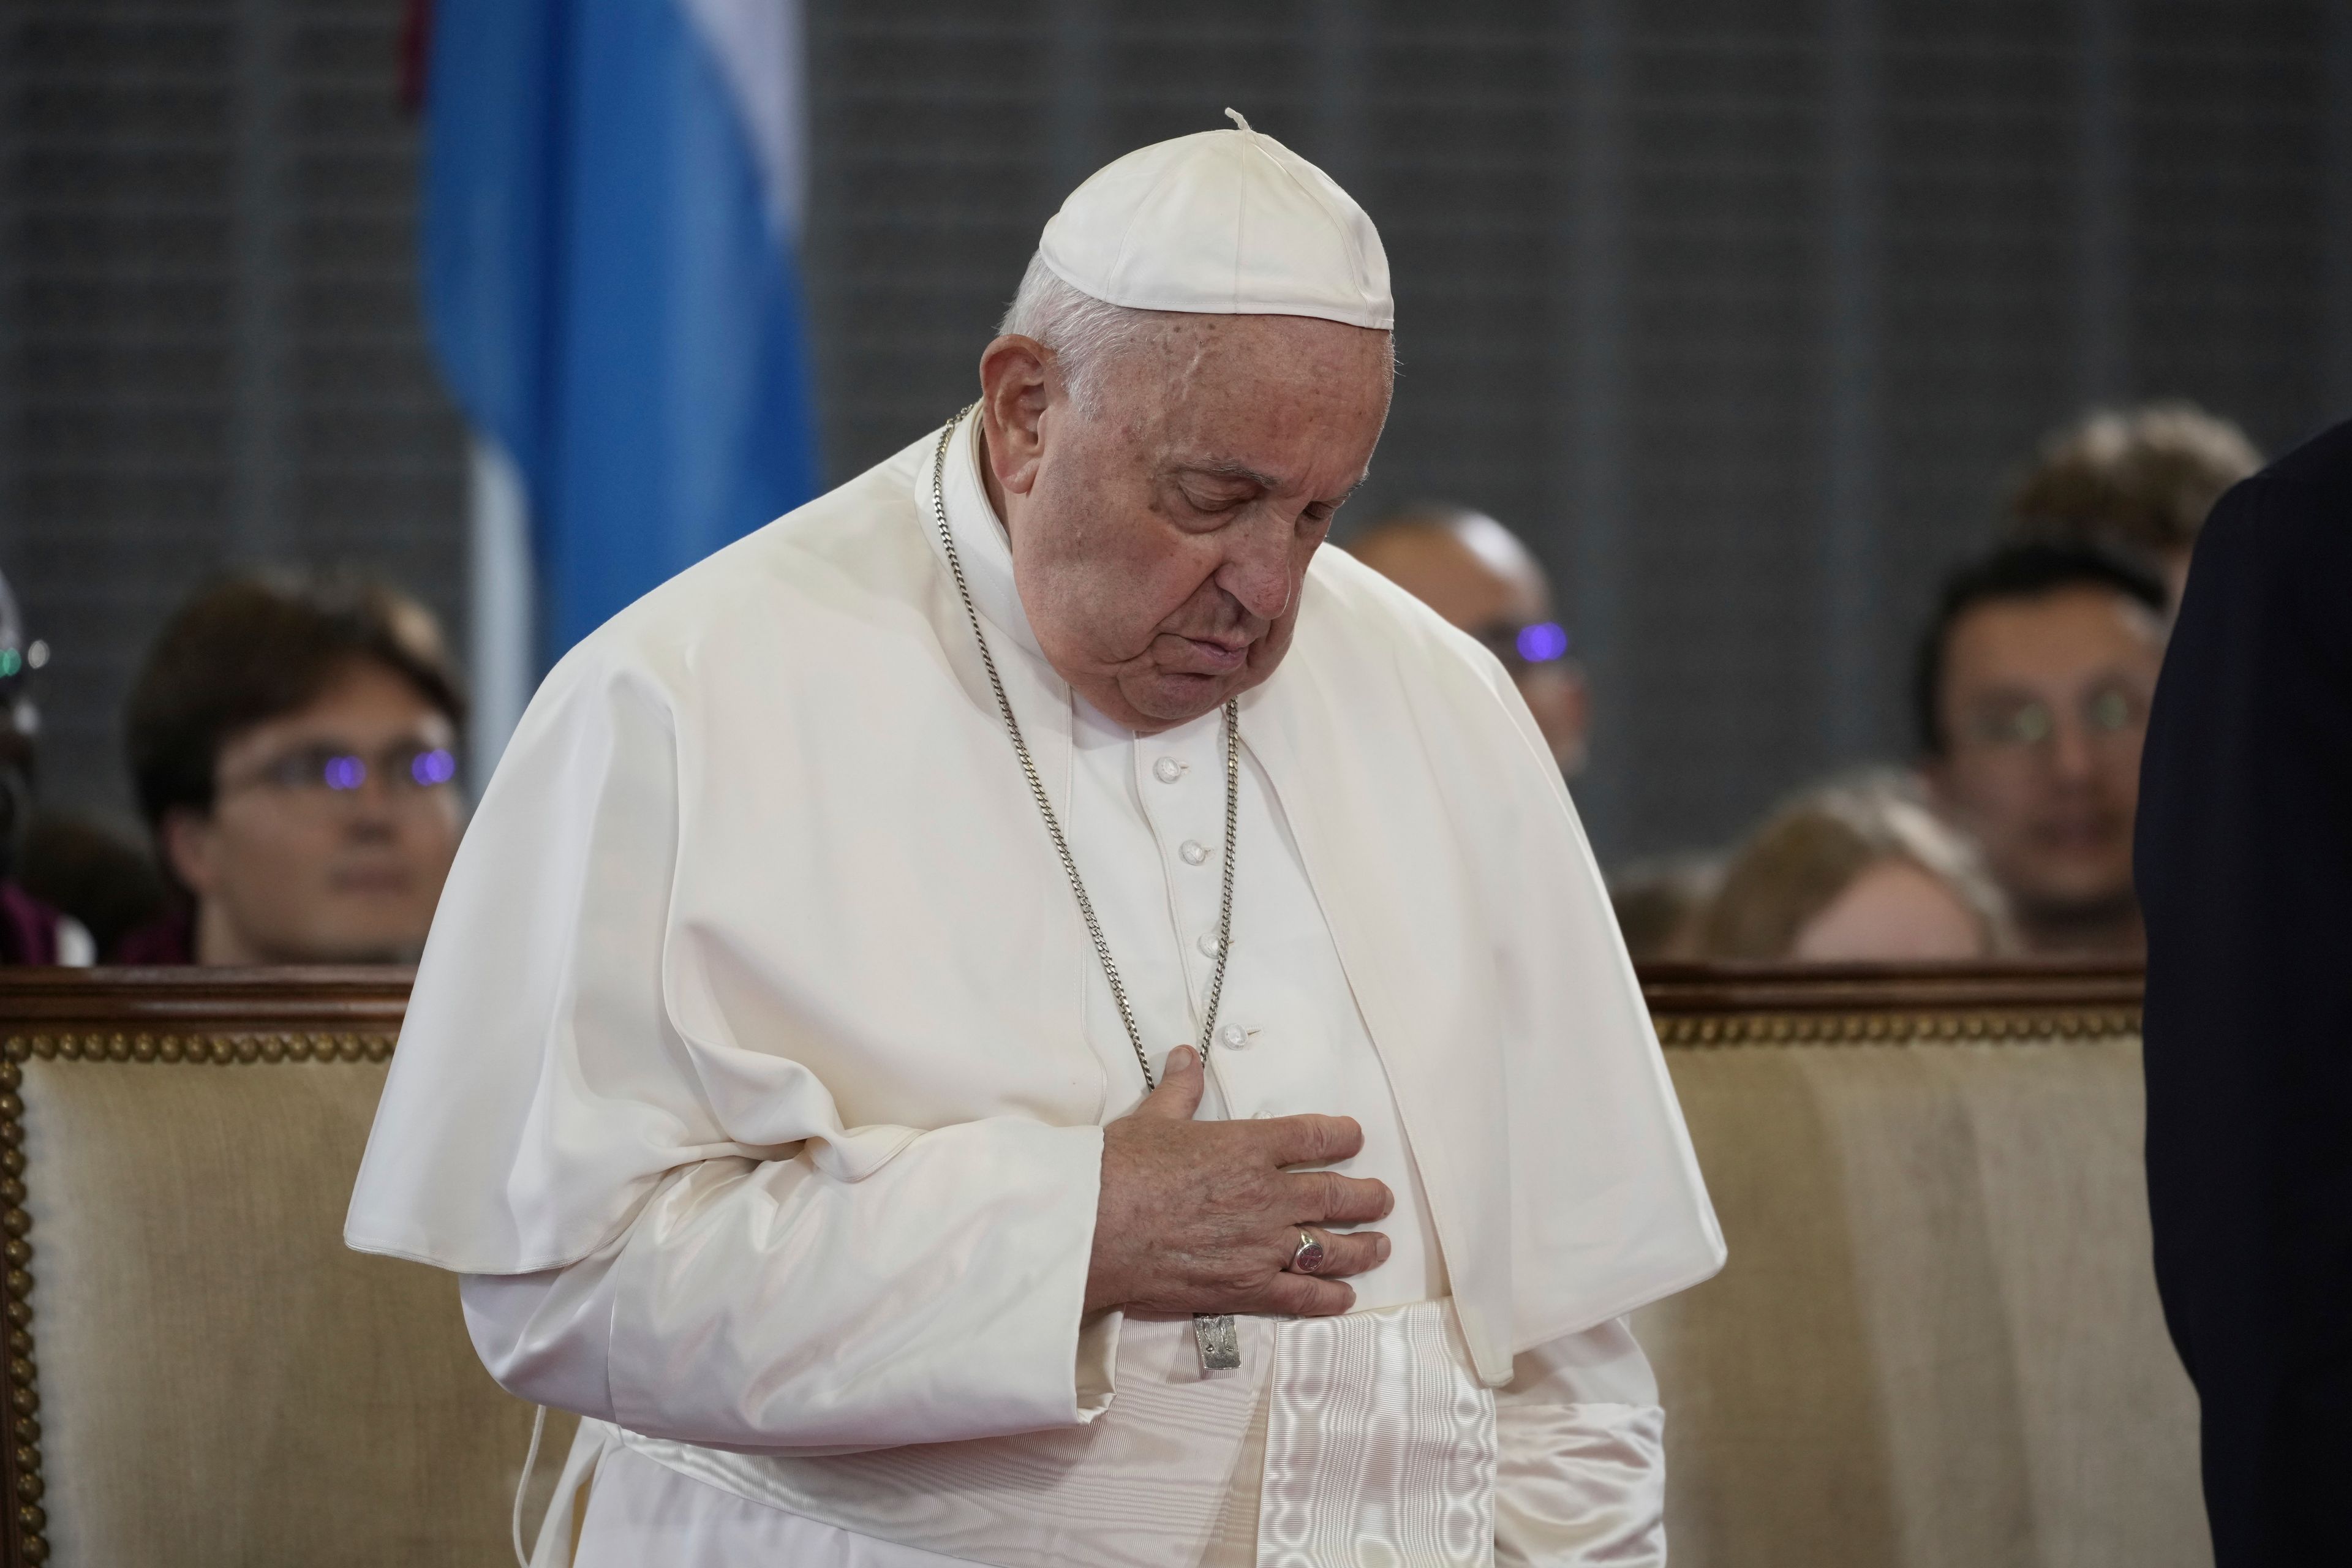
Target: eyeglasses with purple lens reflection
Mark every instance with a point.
(1523, 644)
(434, 767)
(326, 771)
(1543, 642)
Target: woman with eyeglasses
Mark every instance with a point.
(294, 745)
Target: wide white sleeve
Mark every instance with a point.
(1582, 1467)
(764, 1306)
(706, 1237)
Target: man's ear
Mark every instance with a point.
(191, 847)
(1018, 377)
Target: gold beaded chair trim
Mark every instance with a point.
(2077, 1025)
(29, 1522)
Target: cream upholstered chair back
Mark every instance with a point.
(1937, 1342)
(199, 1372)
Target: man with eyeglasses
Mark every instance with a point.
(1474, 573)
(2030, 696)
(293, 744)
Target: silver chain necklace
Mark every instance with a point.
(1213, 1334)
(1053, 823)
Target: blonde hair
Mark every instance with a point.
(1813, 848)
(2142, 477)
(1660, 902)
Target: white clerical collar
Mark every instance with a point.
(980, 541)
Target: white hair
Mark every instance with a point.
(1082, 331)
(1086, 333)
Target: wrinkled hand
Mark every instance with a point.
(1201, 1216)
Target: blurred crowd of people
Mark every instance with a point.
(2007, 830)
(292, 743)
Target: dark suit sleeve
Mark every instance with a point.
(2244, 867)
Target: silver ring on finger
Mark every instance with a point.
(1309, 1255)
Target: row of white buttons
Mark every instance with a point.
(1168, 769)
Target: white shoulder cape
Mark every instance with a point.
(757, 877)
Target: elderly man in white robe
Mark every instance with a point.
(1027, 1013)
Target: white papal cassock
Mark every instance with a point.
(755, 1071)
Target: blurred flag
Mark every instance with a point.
(611, 198)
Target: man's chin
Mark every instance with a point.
(1169, 698)
(405, 953)
(365, 942)
(2080, 904)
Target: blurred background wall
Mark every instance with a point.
(1741, 312)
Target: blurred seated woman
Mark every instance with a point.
(1856, 871)
(294, 745)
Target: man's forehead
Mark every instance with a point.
(2064, 623)
(1271, 478)
(345, 731)
(1447, 573)
(1990, 669)
(364, 702)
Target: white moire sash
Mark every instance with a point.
(1380, 1445)
(1379, 1449)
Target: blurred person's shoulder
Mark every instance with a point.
(2291, 519)
(2311, 483)
(2324, 458)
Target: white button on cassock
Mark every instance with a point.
(1168, 769)
(1209, 944)
(1233, 1037)
(1194, 852)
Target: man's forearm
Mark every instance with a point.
(767, 1306)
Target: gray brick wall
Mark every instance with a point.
(1741, 311)
(212, 355)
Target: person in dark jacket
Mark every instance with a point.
(2244, 869)
(32, 932)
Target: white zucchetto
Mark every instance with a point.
(1228, 223)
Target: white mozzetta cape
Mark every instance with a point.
(757, 888)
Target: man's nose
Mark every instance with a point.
(2071, 756)
(371, 809)
(1257, 570)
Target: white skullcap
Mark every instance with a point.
(1227, 222)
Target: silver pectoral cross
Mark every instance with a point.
(1221, 1344)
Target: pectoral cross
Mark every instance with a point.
(1220, 1343)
